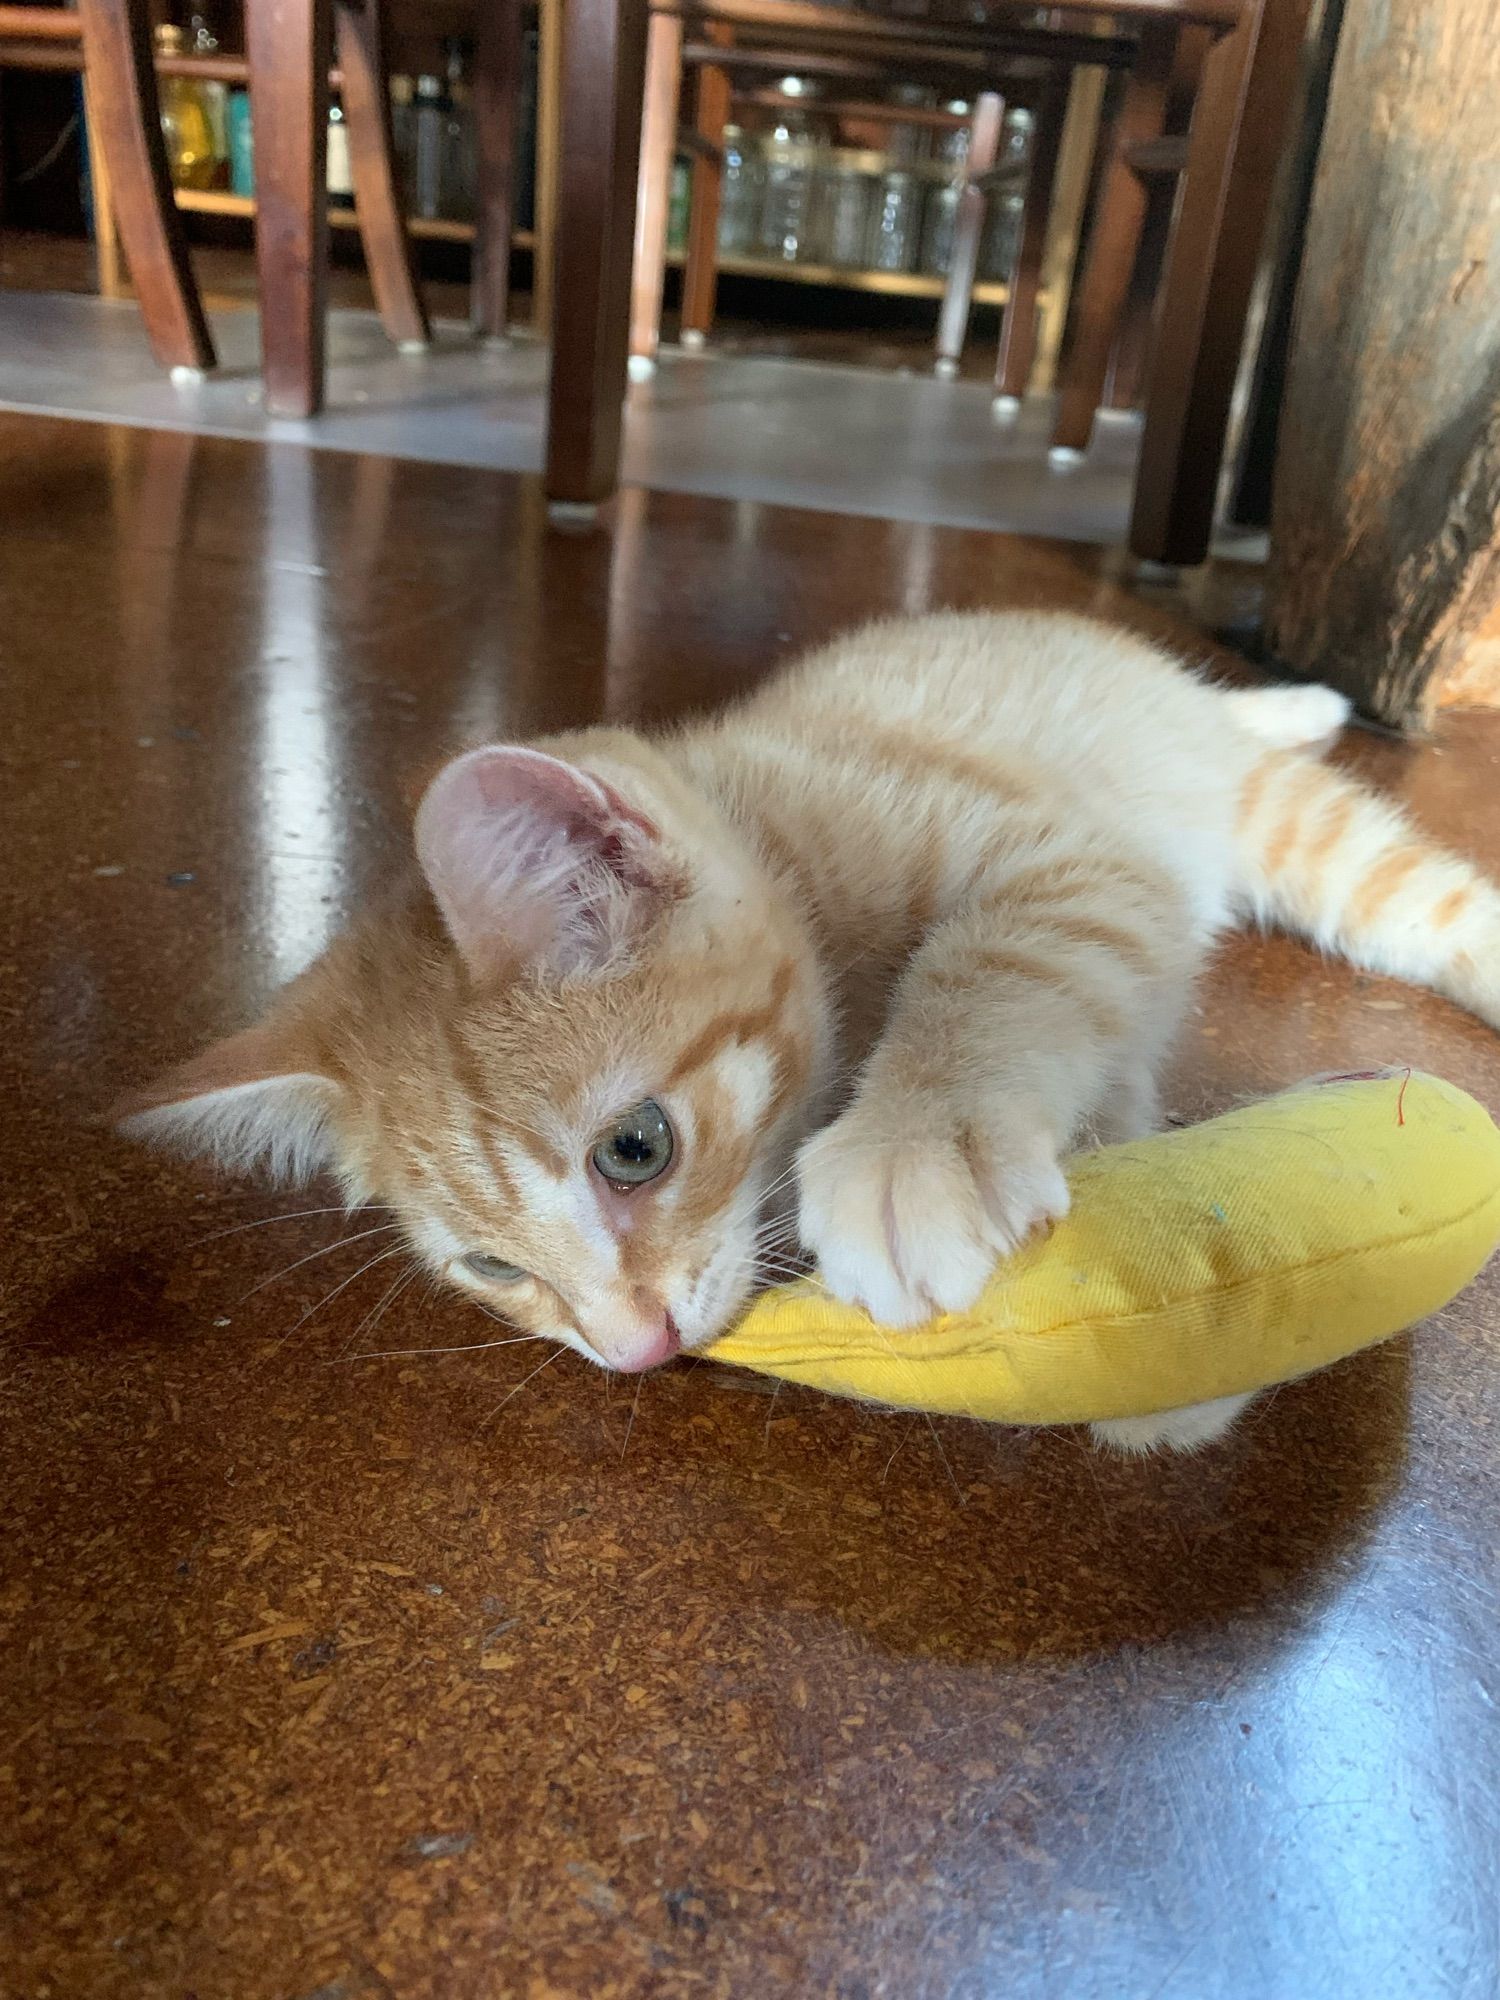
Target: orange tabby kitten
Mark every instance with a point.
(894, 935)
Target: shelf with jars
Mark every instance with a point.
(208, 125)
(863, 194)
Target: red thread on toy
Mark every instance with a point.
(1401, 1097)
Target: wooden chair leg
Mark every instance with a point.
(1249, 84)
(377, 183)
(548, 156)
(1127, 364)
(654, 190)
(603, 76)
(125, 127)
(1018, 326)
(287, 43)
(1113, 241)
(497, 91)
(700, 270)
(958, 292)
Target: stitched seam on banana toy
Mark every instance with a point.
(966, 1328)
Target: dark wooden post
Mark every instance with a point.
(1385, 549)
(288, 46)
(603, 75)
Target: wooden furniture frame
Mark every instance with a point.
(287, 67)
(110, 43)
(1237, 122)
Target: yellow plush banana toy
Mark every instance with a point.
(1248, 1250)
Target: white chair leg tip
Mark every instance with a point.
(1006, 406)
(641, 367)
(945, 368)
(184, 377)
(694, 339)
(1064, 457)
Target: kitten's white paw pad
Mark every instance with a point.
(908, 1228)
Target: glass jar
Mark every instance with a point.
(847, 191)
(742, 181)
(907, 145)
(952, 148)
(939, 221)
(786, 202)
(898, 220)
(1001, 241)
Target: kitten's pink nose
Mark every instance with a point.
(657, 1346)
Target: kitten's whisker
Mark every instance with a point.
(640, 1383)
(467, 1347)
(369, 1265)
(294, 1215)
(377, 1313)
(327, 1250)
(485, 1422)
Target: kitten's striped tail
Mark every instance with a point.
(1321, 856)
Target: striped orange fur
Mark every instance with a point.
(886, 940)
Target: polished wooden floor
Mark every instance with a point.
(335, 1670)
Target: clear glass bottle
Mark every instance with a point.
(848, 187)
(742, 180)
(403, 135)
(460, 165)
(185, 123)
(429, 115)
(939, 221)
(898, 220)
(202, 41)
(678, 204)
(339, 170)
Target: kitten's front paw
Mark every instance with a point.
(913, 1226)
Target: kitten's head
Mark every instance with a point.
(572, 1054)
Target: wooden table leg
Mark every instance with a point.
(654, 184)
(1113, 242)
(125, 131)
(1249, 82)
(548, 153)
(700, 269)
(958, 292)
(287, 42)
(1385, 519)
(604, 63)
(497, 92)
(1018, 326)
(1075, 174)
(377, 181)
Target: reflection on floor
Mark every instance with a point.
(898, 446)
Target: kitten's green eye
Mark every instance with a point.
(483, 1265)
(636, 1148)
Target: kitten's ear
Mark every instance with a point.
(534, 862)
(245, 1102)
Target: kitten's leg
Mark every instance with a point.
(1004, 1034)
(1188, 1429)
(1132, 1109)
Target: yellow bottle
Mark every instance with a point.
(185, 121)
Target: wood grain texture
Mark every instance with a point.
(1385, 550)
(377, 182)
(654, 182)
(497, 91)
(125, 129)
(1247, 88)
(603, 77)
(287, 43)
(335, 1670)
(712, 103)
